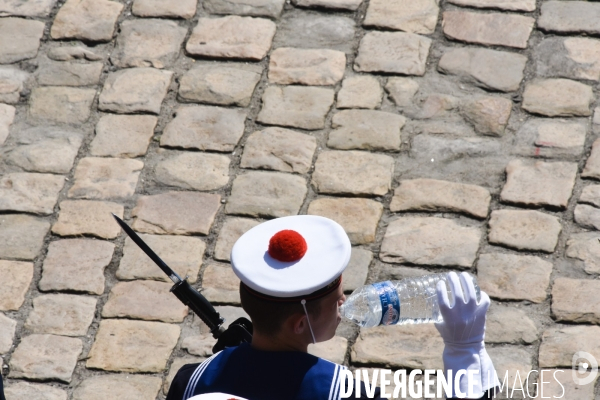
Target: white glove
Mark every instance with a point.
(463, 331)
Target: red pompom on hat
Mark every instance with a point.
(287, 246)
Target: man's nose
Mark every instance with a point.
(342, 300)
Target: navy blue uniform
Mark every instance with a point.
(1, 389)
(263, 375)
(255, 374)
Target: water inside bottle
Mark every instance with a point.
(417, 302)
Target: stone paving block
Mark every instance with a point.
(21, 236)
(306, 66)
(179, 213)
(358, 217)
(200, 345)
(591, 195)
(279, 149)
(87, 20)
(357, 270)
(558, 98)
(488, 115)
(558, 137)
(441, 196)
(573, 58)
(296, 106)
(69, 74)
(42, 357)
(573, 300)
(351, 5)
(430, 241)
(25, 391)
(61, 104)
(360, 91)
(255, 8)
(413, 346)
(513, 277)
(558, 383)
(132, 346)
(539, 183)
(513, 362)
(123, 135)
(183, 254)
(302, 29)
(266, 194)
(570, 17)
(592, 166)
(587, 216)
(509, 5)
(17, 276)
(12, 83)
(135, 90)
(176, 366)
(585, 247)
(333, 349)
(230, 232)
(7, 116)
(8, 328)
(105, 178)
(219, 83)
(492, 29)
(220, 284)
(438, 105)
(148, 43)
(507, 324)
(560, 342)
(131, 387)
(44, 149)
(490, 69)
(402, 90)
(32, 193)
(192, 170)
(159, 8)
(147, 300)
(393, 52)
(353, 172)
(205, 128)
(416, 16)
(20, 39)
(366, 130)
(524, 230)
(88, 217)
(232, 37)
(35, 8)
(61, 314)
(70, 53)
(76, 265)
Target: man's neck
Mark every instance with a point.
(277, 343)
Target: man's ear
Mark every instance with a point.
(297, 324)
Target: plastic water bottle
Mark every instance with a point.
(403, 302)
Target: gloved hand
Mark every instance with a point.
(463, 331)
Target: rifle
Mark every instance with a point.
(239, 331)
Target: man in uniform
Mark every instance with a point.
(291, 287)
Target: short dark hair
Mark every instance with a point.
(268, 316)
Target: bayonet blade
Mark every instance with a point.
(149, 252)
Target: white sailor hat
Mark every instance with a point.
(216, 396)
(291, 258)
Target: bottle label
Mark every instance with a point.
(390, 303)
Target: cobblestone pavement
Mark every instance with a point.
(452, 136)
